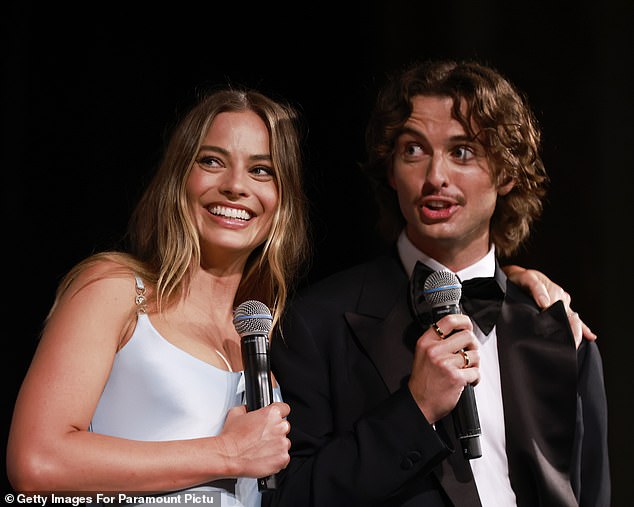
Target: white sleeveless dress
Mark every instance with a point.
(158, 392)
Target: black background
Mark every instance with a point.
(89, 93)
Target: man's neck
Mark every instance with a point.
(410, 253)
(454, 261)
(454, 258)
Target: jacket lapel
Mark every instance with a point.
(538, 370)
(383, 324)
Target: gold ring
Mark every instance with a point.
(438, 330)
(465, 356)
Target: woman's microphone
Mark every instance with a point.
(252, 320)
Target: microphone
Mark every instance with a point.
(442, 290)
(252, 320)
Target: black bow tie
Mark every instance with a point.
(481, 299)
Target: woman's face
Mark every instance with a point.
(232, 188)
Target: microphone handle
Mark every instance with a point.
(465, 413)
(257, 371)
(257, 383)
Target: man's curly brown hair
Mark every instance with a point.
(496, 114)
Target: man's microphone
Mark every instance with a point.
(442, 290)
(252, 320)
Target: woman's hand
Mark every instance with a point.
(545, 292)
(256, 442)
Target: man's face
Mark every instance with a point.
(444, 185)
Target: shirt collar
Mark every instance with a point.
(409, 254)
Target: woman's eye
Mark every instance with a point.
(262, 171)
(208, 161)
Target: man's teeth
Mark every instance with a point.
(230, 212)
(437, 205)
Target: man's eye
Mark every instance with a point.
(464, 153)
(413, 150)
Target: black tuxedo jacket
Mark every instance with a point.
(343, 359)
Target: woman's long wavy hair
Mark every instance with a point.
(496, 115)
(163, 240)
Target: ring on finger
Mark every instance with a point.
(465, 356)
(438, 330)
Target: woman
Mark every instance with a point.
(139, 362)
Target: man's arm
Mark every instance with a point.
(337, 456)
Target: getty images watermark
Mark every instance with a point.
(198, 498)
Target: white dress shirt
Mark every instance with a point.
(491, 470)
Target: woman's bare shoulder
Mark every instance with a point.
(105, 277)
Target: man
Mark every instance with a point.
(454, 151)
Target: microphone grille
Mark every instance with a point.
(252, 317)
(442, 287)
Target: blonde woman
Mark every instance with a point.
(136, 385)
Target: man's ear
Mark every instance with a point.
(506, 188)
(390, 176)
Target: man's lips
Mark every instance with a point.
(437, 208)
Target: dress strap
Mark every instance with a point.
(140, 294)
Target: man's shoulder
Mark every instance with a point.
(516, 296)
(353, 278)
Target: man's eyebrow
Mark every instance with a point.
(404, 130)
(461, 138)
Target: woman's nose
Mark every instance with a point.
(233, 182)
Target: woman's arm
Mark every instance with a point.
(50, 447)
